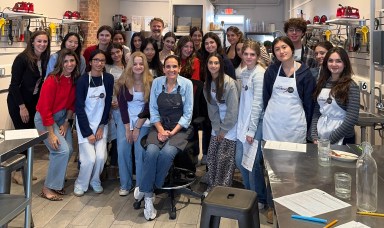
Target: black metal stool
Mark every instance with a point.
(234, 203)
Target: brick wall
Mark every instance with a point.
(89, 9)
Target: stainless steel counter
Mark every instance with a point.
(292, 172)
(13, 205)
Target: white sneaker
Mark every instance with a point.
(98, 189)
(149, 210)
(78, 192)
(137, 194)
(123, 192)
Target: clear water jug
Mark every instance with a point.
(366, 180)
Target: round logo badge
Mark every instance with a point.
(101, 95)
(290, 90)
(329, 100)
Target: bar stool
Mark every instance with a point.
(234, 203)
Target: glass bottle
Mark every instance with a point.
(366, 180)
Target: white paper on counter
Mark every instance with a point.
(353, 224)
(249, 154)
(294, 147)
(311, 203)
(21, 134)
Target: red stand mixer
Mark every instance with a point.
(347, 12)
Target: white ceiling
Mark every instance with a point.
(244, 2)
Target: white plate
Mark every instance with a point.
(344, 156)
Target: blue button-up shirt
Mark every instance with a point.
(186, 92)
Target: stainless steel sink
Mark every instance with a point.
(369, 119)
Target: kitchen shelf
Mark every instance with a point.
(346, 21)
(11, 14)
(317, 26)
(73, 21)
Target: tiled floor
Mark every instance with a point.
(109, 209)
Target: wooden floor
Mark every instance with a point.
(108, 209)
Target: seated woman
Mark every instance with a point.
(170, 106)
(338, 100)
(55, 106)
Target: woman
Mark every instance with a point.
(223, 102)
(116, 52)
(234, 36)
(196, 34)
(287, 96)
(169, 41)
(170, 109)
(94, 92)
(320, 50)
(338, 100)
(211, 44)
(104, 36)
(250, 121)
(132, 91)
(136, 41)
(190, 64)
(151, 51)
(71, 41)
(28, 70)
(119, 37)
(55, 106)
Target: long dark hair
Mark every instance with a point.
(341, 88)
(204, 53)
(155, 63)
(187, 69)
(116, 46)
(30, 53)
(58, 70)
(93, 54)
(219, 81)
(142, 38)
(79, 47)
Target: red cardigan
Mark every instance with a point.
(57, 93)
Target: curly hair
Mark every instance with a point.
(299, 23)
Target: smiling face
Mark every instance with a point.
(40, 44)
(335, 64)
(187, 50)
(295, 34)
(138, 66)
(214, 66)
(97, 63)
(197, 37)
(171, 68)
(149, 52)
(320, 54)
(169, 43)
(72, 43)
(104, 37)
(282, 51)
(232, 37)
(137, 42)
(210, 45)
(118, 38)
(69, 65)
(250, 57)
(157, 29)
(116, 55)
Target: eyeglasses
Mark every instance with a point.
(98, 60)
(292, 30)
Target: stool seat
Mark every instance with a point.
(234, 203)
(7, 167)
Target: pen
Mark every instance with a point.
(312, 219)
(371, 214)
(331, 223)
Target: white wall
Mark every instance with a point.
(109, 8)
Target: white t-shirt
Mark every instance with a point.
(297, 54)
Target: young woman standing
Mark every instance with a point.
(234, 36)
(136, 41)
(223, 102)
(321, 50)
(119, 37)
(287, 96)
(151, 51)
(132, 91)
(56, 105)
(104, 36)
(196, 34)
(94, 92)
(338, 100)
(169, 41)
(190, 64)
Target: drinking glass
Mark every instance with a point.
(324, 155)
(343, 185)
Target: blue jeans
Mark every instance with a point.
(157, 163)
(124, 151)
(58, 159)
(253, 180)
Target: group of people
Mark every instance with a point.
(121, 94)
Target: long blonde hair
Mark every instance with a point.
(126, 79)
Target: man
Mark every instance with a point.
(157, 26)
(295, 29)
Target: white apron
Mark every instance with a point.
(245, 106)
(332, 115)
(231, 134)
(135, 107)
(284, 118)
(94, 108)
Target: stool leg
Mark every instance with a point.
(6, 178)
(205, 218)
(215, 222)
